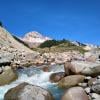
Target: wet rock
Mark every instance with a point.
(98, 77)
(45, 69)
(95, 96)
(88, 90)
(96, 88)
(75, 93)
(27, 91)
(71, 81)
(56, 77)
(90, 82)
(7, 76)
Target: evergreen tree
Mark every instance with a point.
(1, 24)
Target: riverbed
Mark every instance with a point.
(36, 76)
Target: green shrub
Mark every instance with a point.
(50, 43)
(60, 46)
(1, 24)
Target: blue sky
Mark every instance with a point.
(71, 19)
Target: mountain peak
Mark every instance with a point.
(35, 37)
(33, 34)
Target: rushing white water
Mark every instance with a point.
(36, 77)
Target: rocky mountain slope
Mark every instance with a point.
(34, 39)
(7, 41)
(12, 52)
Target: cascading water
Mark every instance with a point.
(35, 76)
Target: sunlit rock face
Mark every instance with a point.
(34, 38)
(7, 41)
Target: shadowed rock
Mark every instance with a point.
(56, 77)
(27, 91)
(7, 76)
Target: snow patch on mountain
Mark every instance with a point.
(35, 37)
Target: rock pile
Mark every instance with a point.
(7, 75)
(81, 80)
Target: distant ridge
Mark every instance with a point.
(34, 39)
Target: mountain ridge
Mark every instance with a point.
(34, 38)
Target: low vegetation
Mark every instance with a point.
(55, 46)
(51, 43)
(1, 24)
(58, 46)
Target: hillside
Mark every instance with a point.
(21, 41)
(59, 46)
(8, 41)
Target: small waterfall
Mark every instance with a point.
(33, 76)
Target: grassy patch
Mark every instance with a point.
(58, 46)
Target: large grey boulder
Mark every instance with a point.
(75, 93)
(7, 76)
(27, 91)
(71, 81)
(82, 67)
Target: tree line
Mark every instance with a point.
(50, 43)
